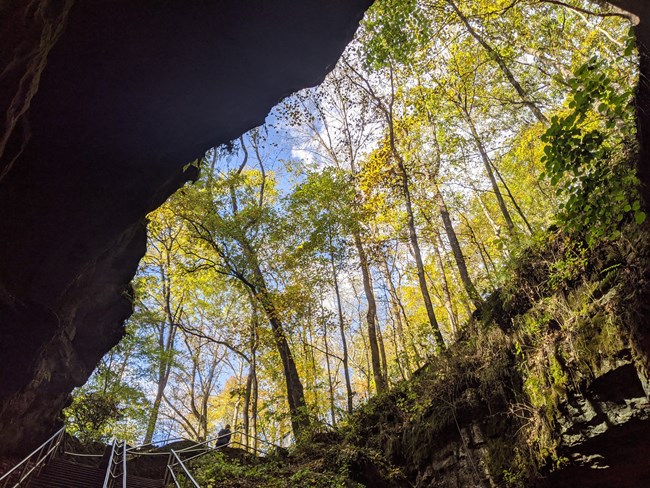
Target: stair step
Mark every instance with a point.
(64, 474)
(138, 482)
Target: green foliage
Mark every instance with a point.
(111, 404)
(95, 415)
(217, 470)
(585, 156)
(394, 30)
(91, 416)
(324, 214)
(570, 266)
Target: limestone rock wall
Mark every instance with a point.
(603, 440)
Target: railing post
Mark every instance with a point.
(109, 467)
(124, 464)
(169, 466)
(26, 468)
(185, 470)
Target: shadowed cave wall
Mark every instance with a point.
(106, 102)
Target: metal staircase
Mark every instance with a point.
(59, 473)
(46, 468)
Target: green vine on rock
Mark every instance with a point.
(587, 156)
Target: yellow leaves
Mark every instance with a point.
(223, 405)
(378, 170)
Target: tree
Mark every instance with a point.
(324, 210)
(160, 302)
(229, 215)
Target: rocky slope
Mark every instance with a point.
(548, 388)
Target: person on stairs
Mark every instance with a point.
(223, 437)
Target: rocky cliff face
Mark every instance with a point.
(602, 440)
(549, 389)
(106, 102)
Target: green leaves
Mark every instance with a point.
(583, 156)
(394, 30)
(639, 217)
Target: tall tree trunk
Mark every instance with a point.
(513, 200)
(329, 375)
(344, 341)
(371, 316)
(398, 352)
(248, 395)
(413, 239)
(166, 336)
(366, 348)
(255, 396)
(496, 57)
(257, 286)
(488, 169)
(395, 310)
(382, 353)
(495, 227)
(295, 392)
(468, 284)
(310, 352)
(155, 409)
(453, 319)
(247, 406)
(414, 347)
(485, 256)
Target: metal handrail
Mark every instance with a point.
(51, 445)
(124, 464)
(168, 473)
(170, 469)
(116, 467)
(261, 440)
(114, 464)
(175, 460)
(259, 451)
(167, 441)
(208, 441)
(80, 454)
(202, 450)
(109, 466)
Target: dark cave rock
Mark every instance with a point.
(641, 11)
(106, 103)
